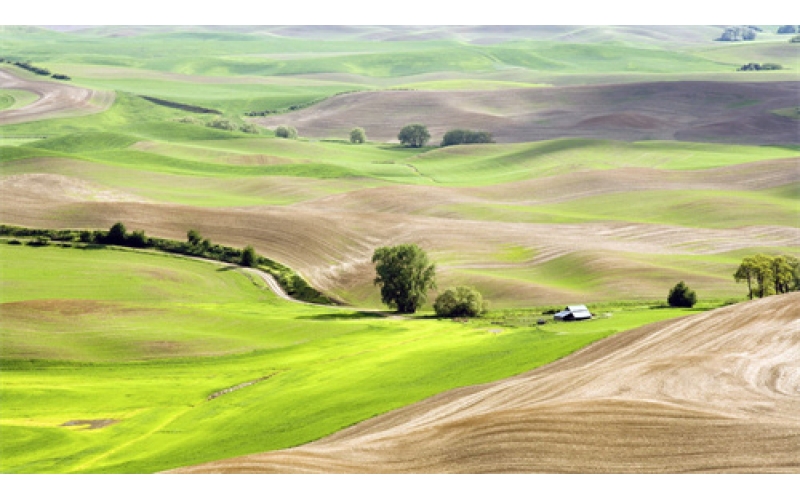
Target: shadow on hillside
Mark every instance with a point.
(230, 267)
(342, 315)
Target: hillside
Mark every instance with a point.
(715, 392)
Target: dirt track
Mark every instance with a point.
(55, 99)
(715, 392)
(687, 111)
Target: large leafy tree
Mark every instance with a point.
(414, 135)
(405, 275)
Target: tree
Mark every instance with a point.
(193, 237)
(459, 302)
(415, 135)
(116, 235)
(249, 257)
(286, 132)
(405, 275)
(461, 136)
(681, 296)
(757, 270)
(358, 136)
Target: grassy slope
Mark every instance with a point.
(120, 356)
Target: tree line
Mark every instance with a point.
(35, 69)
(769, 275)
(194, 246)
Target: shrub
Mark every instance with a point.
(222, 124)
(358, 136)
(459, 302)
(681, 296)
(286, 132)
(190, 120)
(14, 242)
(249, 128)
(116, 235)
(39, 241)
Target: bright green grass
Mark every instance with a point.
(15, 98)
(144, 339)
(793, 113)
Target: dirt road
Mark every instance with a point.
(715, 392)
(55, 99)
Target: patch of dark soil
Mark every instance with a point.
(92, 424)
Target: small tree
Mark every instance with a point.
(249, 257)
(681, 296)
(358, 136)
(459, 302)
(193, 237)
(405, 275)
(116, 235)
(286, 132)
(415, 135)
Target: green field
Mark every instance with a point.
(145, 339)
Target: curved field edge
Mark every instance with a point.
(112, 353)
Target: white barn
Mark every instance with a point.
(573, 313)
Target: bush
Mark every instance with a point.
(415, 135)
(286, 132)
(459, 302)
(681, 296)
(190, 120)
(116, 235)
(39, 241)
(222, 124)
(14, 242)
(358, 136)
(249, 128)
(460, 136)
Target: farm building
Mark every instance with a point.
(573, 313)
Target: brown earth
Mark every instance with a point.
(330, 239)
(55, 99)
(715, 392)
(725, 112)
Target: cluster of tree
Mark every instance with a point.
(681, 296)
(35, 69)
(787, 29)
(461, 136)
(405, 274)
(760, 67)
(195, 246)
(286, 132)
(416, 136)
(223, 124)
(738, 33)
(768, 275)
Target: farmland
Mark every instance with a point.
(625, 159)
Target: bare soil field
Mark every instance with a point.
(687, 111)
(714, 392)
(55, 99)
